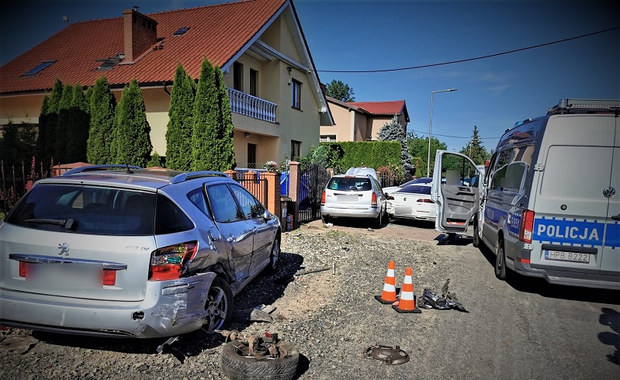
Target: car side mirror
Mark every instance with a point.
(266, 215)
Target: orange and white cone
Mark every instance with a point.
(406, 300)
(388, 295)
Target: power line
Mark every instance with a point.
(470, 59)
(456, 137)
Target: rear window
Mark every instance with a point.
(349, 184)
(416, 189)
(86, 210)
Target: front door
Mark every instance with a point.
(455, 191)
(251, 156)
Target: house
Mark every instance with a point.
(361, 121)
(276, 97)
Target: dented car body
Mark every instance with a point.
(131, 253)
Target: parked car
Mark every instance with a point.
(132, 253)
(412, 202)
(421, 180)
(353, 196)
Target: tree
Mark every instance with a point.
(212, 133)
(179, 132)
(60, 142)
(132, 139)
(43, 121)
(475, 150)
(53, 110)
(394, 131)
(341, 91)
(77, 128)
(418, 147)
(100, 134)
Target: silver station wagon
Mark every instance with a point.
(132, 252)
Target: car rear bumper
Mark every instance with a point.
(169, 308)
(371, 212)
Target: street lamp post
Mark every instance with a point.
(430, 129)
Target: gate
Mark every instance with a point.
(313, 181)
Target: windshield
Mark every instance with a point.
(417, 189)
(349, 184)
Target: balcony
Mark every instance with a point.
(251, 106)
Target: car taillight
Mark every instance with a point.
(373, 203)
(424, 200)
(527, 226)
(323, 198)
(167, 263)
(23, 269)
(109, 277)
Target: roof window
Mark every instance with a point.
(38, 68)
(109, 63)
(181, 31)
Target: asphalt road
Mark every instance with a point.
(524, 328)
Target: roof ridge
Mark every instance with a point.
(227, 3)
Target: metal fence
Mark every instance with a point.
(255, 185)
(313, 181)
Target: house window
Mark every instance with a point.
(328, 138)
(253, 82)
(296, 94)
(37, 69)
(238, 76)
(295, 149)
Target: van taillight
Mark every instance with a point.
(373, 203)
(527, 226)
(109, 277)
(23, 269)
(167, 263)
(323, 198)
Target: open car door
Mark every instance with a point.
(455, 190)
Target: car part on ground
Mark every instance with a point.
(387, 354)
(258, 357)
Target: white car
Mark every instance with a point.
(421, 180)
(412, 202)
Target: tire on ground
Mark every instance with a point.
(238, 367)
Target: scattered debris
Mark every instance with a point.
(18, 343)
(387, 354)
(447, 300)
(168, 342)
(328, 225)
(257, 314)
(312, 271)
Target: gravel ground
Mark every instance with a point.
(323, 294)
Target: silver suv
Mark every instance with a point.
(132, 252)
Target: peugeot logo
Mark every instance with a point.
(609, 192)
(64, 249)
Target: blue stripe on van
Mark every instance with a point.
(612, 239)
(573, 232)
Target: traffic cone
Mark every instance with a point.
(388, 295)
(406, 300)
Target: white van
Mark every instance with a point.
(549, 205)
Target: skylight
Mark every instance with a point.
(181, 31)
(37, 69)
(109, 63)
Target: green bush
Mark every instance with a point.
(372, 154)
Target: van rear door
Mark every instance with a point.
(574, 226)
(455, 191)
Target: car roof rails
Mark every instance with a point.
(585, 106)
(90, 168)
(193, 175)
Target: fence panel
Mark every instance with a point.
(313, 182)
(256, 185)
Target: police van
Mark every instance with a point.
(549, 205)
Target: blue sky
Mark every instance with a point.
(492, 94)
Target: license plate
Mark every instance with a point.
(575, 257)
(65, 276)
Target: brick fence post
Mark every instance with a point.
(273, 193)
(293, 189)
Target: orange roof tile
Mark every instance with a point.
(218, 32)
(381, 108)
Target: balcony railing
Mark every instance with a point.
(251, 106)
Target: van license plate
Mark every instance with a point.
(575, 257)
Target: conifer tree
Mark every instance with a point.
(133, 132)
(43, 120)
(393, 131)
(225, 127)
(102, 112)
(77, 128)
(204, 119)
(64, 109)
(179, 132)
(53, 110)
(475, 149)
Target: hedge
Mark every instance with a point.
(372, 154)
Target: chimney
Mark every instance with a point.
(139, 33)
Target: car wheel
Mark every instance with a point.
(325, 219)
(379, 221)
(500, 260)
(476, 237)
(237, 364)
(274, 257)
(219, 305)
